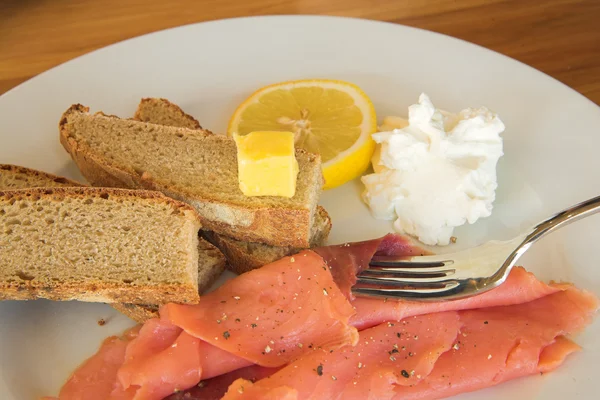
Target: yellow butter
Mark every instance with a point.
(267, 163)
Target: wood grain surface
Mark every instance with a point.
(558, 37)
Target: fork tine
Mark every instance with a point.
(410, 262)
(405, 279)
(408, 272)
(407, 282)
(413, 268)
(420, 294)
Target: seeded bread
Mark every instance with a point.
(193, 166)
(211, 261)
(246, 256)
(99, 245)
(163, 112)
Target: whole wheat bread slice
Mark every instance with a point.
(246, 256)
(211, 262)
(241, 256)
(97, 244)
(193, 166)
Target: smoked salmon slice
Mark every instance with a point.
(216, 362)
(436, 355)
(272, 315)
(387, 355)
(502, 343)
(215, 388)
(163, 359)
(267, 317)
(96, 378)
(520, 287)
(347, 260)
(178, 367)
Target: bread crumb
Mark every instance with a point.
(101, 322)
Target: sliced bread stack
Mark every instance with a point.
(31, 279)
(200, 168)
(193, 166)
(242, 256)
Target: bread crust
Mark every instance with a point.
(241, 259)
(174, 109)
(85, 192)
(137, 312)
(274, 226)
(98, 291)
(17, 169)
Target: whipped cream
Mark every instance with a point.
(435, 171)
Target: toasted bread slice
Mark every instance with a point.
(241, 256)
(211, 262)
(193, 166)
(163, 112)
(246, 256)
(97, 244)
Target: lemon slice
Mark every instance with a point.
(332, 118)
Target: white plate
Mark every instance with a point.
(551, 144)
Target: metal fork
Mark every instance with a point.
(461, 274)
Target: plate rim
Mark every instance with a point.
(299, 17)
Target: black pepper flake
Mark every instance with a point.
(238, 320)
(392, 351)
(320, 370)
(410, 354)
(223, 301)
(253, 325)
(226, 335)
(399, 335)
(485, 322)
(405, 374)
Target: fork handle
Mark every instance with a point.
(563, 218)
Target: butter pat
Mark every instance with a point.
(267, 163)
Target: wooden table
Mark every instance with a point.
(558, 37)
